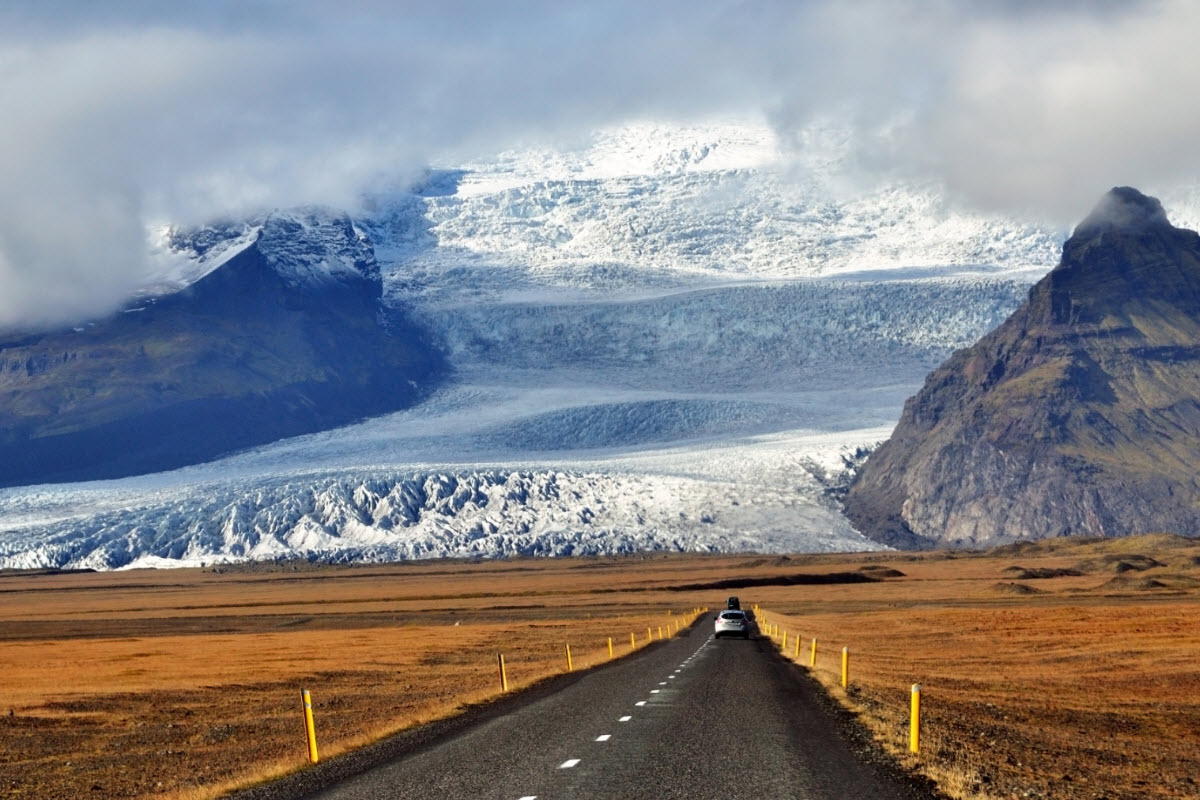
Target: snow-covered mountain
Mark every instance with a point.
(310, 247)
(664, 338)
(285, 334)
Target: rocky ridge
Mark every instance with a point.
(1079, 415)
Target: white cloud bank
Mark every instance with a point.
(123, 115)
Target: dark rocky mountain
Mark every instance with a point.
(287, 336)
(1079, 415)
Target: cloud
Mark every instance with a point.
(1048, 117)
(136, 112)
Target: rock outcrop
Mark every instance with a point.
(1079, 415)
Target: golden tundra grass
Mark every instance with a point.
(186, 684)
(1076, 686)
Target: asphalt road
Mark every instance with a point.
(691, 718)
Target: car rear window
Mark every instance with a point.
(732, 615)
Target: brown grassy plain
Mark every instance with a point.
(185, 684)
(1064, 669)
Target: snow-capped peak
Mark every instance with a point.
(308, 246)
(313, 246)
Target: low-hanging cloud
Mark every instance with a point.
(119, 116)
(1047, 117)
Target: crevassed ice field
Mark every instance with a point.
(666, 337)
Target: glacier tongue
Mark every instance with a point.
(467, 513)
(672, 337)
(770, 336)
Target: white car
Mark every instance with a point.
(732, 623)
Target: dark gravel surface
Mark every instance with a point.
(719, 719)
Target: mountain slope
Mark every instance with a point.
(1079, 415)
(281, 338)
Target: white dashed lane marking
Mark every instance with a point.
(573, 762)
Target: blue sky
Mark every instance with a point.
(118, 115)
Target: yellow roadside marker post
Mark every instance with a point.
(845, 667)
(632, 641)
(610, 652)
(784, 645)
(569, 667)
(309, 729)
(503, 672)
(649, 635)
(813, 660)
(797, 647)
(914, 724)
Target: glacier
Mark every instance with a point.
(670, 337)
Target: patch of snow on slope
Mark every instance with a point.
(315, 246)
(308, 246)
(177, 260)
